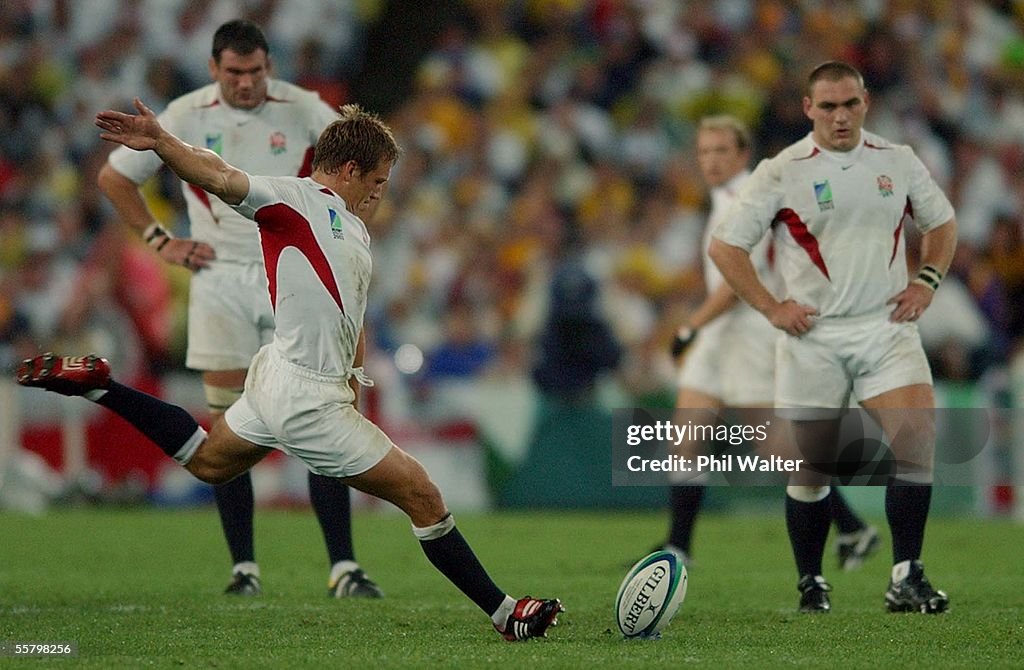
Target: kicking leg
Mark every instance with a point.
(215, 458)
(402, 481)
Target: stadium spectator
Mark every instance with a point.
(302, 386)
(839, 198)
(576, 345)
(268, 126)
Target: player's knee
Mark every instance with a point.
(425, 498)
(207, 473)
(422, 500)
(808, 494)
(209, 470)
(219, 399)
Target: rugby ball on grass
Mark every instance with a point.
(650, 595)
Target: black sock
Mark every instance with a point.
(807, 525)
(333, 507)
(167, 425)
(452, 555)
(845, 519)
(906, 508)
(684, 504)
(235, 505)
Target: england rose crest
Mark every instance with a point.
(884, 185)
(278, 143)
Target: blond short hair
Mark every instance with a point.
(729, 123)
(358, 136)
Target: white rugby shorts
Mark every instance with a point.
(733, 359)
(308, 415)
(864, 355)
(229, 316)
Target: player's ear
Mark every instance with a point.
(270, 65)
(213, 67)
(807, 106)
(350, 170)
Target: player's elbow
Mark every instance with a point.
(228, 184)
(111, 181)
(718, 251)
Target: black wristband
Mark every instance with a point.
(681, 340)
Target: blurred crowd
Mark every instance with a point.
(545, 218)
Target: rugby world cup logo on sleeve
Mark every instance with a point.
(884, 185)
(215, 143)
(336, 229)
(823, 194)
(278, 143)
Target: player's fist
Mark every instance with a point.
(792, 317)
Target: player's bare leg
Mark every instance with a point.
(907, 417)
(401, 480)
(686, 491)
(330, 498)
(808, 510)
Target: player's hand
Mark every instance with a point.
(191, 254)
(681, 341)
(792, 317)
(136, 131)
(910, 303)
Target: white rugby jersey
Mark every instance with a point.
(837, 220)
(276, 138)
(722, 198)
(317, 257)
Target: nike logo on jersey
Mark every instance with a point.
(845, 167)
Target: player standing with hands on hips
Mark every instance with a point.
(297, 394)
(730, 351)
(268, 127)
(835, 203)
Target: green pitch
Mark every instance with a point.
(142, 589)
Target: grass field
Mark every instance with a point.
(141, 589)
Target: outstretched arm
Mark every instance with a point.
(201, 167)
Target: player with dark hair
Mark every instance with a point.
(836, 202)
(299, 390)
(730, 350)
(269, 127)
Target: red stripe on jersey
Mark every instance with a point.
(869, 145)
(802, 236)
(271, 98)
(210, 104)
(203, 196)
(908, 210)
(307, 164)
(282, 227)
(810, 155)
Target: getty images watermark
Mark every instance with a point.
(769, 446)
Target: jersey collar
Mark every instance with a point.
(845, 157)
